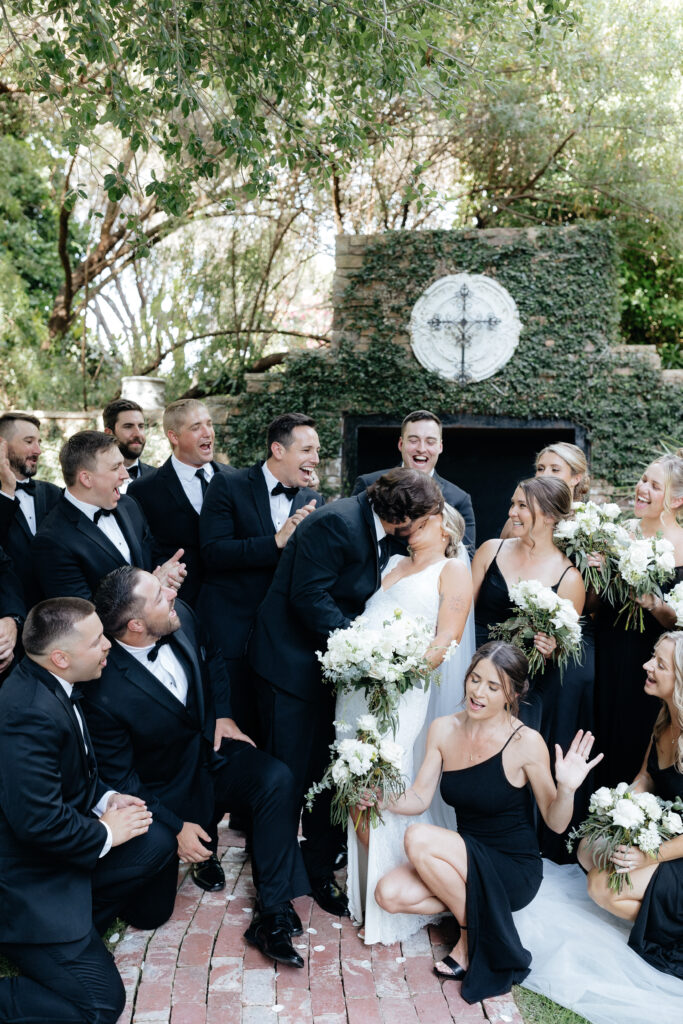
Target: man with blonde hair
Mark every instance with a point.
(172, 496)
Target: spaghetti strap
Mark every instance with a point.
(513, 735)
(562, 576)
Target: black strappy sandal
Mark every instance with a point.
(455, 970)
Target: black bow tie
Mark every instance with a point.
(133, 471)
(76, 694)
(290, 492)
(103, 512)
(26, 485)
(154, 653)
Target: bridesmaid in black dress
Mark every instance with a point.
(624, 716)
(529, 553)
(655, 901)
(489, 764)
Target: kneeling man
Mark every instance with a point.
(74, 854)
(161, 724)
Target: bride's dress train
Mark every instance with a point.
(416, 595)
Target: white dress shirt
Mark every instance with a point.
(190, 482)
(280, 504)
(26, 504)
(124, 486)
(107, 524)
(166, 667)
(101, 805)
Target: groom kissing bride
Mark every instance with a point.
(329, 568)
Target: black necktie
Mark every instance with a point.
(103, 512)
(154, 653)
(290, 492)
(201, 475)
(133, 471)
(383, 552)
(26, 485)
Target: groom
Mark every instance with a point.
(329, 568)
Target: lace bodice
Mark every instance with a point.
(416, 595)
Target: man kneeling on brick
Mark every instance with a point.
(153, 719)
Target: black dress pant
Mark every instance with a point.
(77, 982)
(299, 733)
(243, 697)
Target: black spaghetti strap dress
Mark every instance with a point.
(657, 933)
(504, 871)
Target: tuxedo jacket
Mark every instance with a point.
(173, 521)
(16, 537)
(328, 570)
(50, 841)
(147, 742)
(11, 594)
(453, 494)
(239, 553)
(145, 470)
(71, 555)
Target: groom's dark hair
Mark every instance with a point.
(405, 494)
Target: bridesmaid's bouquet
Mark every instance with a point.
(384, 663)
(540, 610)
(369, 763)
(618, 817)
(594, 530)
(674, 599)
(643, 567)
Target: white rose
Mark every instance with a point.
(627, 814)
(602, 799)
(621, 788)
(672, 822)
(340, 772)
(546, 599)
(367, 723)
(650, 804)
(567, 529)
(611, 510)
(391, 752)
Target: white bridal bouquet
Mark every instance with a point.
(675, 600)
(541, 611)
(370, 762)
(619, 817)
(383, 662)
(643, 566)
(593, 530)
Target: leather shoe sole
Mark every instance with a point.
(208, 875)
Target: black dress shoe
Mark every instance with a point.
(270, 933)
(208, 875)
(329, 896)
(294, 921)
(341, 860)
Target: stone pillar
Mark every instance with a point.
(149, 392)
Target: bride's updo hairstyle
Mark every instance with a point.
(664, 718)
(575, 459)
(512, 667)
(454, 526)
(672, 464)
(405, 494)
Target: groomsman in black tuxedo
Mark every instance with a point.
(75, 853)
(126, 421)
(12, 612)
(420, 444)
(93, 527)
(162, 726)
(246, 520)
(172, 496)
(24, 501)
(328, 570)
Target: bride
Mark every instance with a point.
(435, 583)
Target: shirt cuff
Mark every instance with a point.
(101, 805)
(108, 841)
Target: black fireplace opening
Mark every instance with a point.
(485, 455)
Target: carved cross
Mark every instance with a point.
(463, 328)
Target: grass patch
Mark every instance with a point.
(537, 1009)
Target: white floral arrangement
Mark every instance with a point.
(384, 663)
(594, 529)
(619, 817)
(642, 568)
(540, 610)
(674, 599)
(369, 763)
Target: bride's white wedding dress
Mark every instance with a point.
(416, 595)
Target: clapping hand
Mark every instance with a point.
(573, 767)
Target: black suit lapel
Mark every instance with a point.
(176, 489)
(368, 516)
(146, 681)
(188, 656)
(93, 533)
(82, 737)
(40, 502)
(22, 521)
(259, 490)
(128, 531)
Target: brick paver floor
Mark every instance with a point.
(198, 969)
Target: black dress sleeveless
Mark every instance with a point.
(657, 933)
(504, 871)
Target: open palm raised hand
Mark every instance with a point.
(573, 767)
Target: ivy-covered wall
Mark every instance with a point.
(568, 365)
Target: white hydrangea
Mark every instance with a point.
(674, 599)
(649, 839)
(627, 814)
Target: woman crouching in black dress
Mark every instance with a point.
(654, 900)
(491, 767)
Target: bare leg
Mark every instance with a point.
(360, 821)
(625, 904)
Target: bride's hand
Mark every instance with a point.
(573, 767)
(371, 798)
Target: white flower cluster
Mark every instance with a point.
(675, 600)
(589, 519)
(360, 652)
(647, 561)
(593, 530)
(532, 596)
